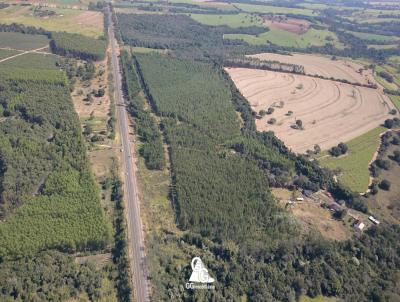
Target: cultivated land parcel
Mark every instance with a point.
(324, 66)
(330, 111)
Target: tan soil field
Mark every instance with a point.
(324, 66)
(89, 18)
(331, 112)
(295, 26)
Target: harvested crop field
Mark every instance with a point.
(89, 18)
(324, 66)
(295, 26)
(331, 112)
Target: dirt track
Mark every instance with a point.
(324, 66)
(331, 112)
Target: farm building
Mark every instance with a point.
(359, 225)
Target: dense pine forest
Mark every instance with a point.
(146, 126)
(44, 168)
(48, 197)
(78, 46)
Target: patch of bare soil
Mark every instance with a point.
(293, 25)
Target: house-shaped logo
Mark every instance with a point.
(200, 273)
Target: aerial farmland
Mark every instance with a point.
(330, 111)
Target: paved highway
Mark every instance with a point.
(135, 233)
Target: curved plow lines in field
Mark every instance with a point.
(331, 112)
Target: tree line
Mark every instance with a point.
(78, 46)
(146, 126)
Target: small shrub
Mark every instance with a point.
(270, 110)
(385, 185)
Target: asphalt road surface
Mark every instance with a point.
(135, 234)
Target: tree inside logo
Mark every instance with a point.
(200, 273)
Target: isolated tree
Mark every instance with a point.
(89, 98)
(270, 110)
(299, 123)
(99, 93)
(389, 123)
(317, 149)
(396, 156)
(335, 151)
(262, 112)
(343, 148)
(340, 214)
(383, 163)
(272, 121)
(385, 185)
(374, 188)
(374, 169)
(87, 130)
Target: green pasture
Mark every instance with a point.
(373, 37)
(313, 6)
(251, 8)
(376, 20)
(146, 50)
(32, 60)
(237, 20)
(396, 101)
(394, 59)
(5, 53)
(382, 81)
(22, 41)
(65, 20)
(382, 46)
(312, 37)
(354, 165)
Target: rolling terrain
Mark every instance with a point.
(262, 137)
(331, 112)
